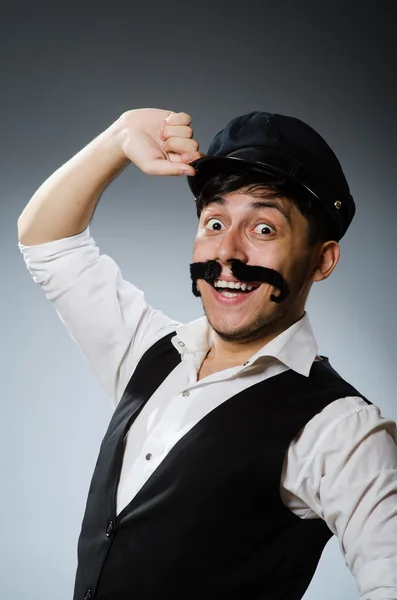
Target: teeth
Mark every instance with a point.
(229, 295)
(233, 285)
(236, 285)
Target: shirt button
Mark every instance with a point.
(109, 529)
(185, 394)
(148, 456)
(87, 595)
(181, 344)
(246, 363)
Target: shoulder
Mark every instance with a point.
(335, 432)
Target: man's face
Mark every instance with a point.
(267, 232)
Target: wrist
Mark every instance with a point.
(112, 141)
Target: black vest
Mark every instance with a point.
(209, 523)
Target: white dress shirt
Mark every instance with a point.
(342, 467)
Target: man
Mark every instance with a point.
(235, 451)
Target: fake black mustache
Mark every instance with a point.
(211, 269)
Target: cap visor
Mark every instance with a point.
(210, 166)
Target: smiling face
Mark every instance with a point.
(260, 231)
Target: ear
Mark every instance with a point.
(327, 259)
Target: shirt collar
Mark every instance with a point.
(296, 347)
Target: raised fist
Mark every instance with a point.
(159, 142)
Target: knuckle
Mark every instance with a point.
(165, 132)
(169, 144)
(175, 131)
(194, 145)
(176, 142)
(184, 118)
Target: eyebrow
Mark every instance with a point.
(257, 205)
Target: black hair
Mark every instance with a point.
(321, 228)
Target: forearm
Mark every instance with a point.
(65, 202)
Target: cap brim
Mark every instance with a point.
(210, 166)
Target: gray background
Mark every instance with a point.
(67, 73)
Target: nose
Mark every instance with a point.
(231, 246)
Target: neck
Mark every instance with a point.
(229, 353)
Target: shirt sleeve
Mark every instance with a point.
(107, 317)
(343, 466)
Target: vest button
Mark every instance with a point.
(87, 595)
(109, 529)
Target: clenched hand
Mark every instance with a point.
(159, 142)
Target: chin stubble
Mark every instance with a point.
(261, 327)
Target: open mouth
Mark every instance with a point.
(232, 289)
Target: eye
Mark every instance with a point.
(214, 225)
(264, 229)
